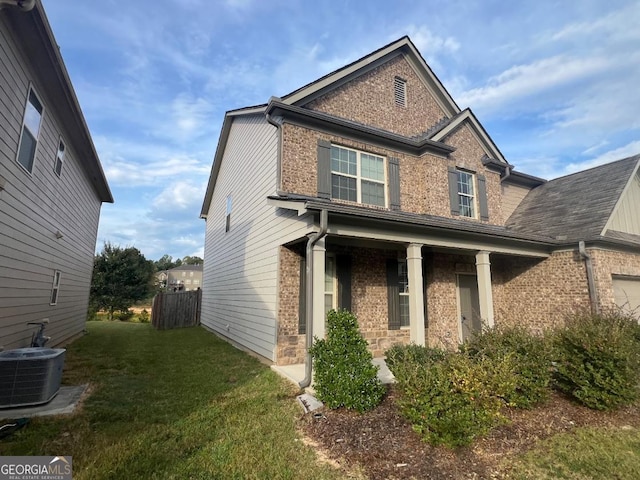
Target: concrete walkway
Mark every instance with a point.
(63, 403)
(295, 373)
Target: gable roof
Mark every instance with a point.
(575, 207)
(36, 38)
(402, 46)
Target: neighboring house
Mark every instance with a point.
(51, 185)
(184, 278)
(161, 279)
(371, 190)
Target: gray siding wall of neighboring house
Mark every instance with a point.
(512, 195)
(626, 217)
(33, 207)
(240, 278)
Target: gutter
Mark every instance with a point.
(593, 294)
(313, 239)
(24, 5)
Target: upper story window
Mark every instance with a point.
(400, 91)
(227, 225)
(57, 167)
(30, 131)
(55, 287)
(466, 195)
(358, 176)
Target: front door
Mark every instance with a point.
(470, 321)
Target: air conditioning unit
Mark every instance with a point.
(30, 376)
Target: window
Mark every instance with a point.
(30, 131)
(191, 274)
(187, 282)
(357, 176)
(403, 284)
(55, 288)
(400, 91)
(196, 282)
(184, 274)
(57, 167)
(466, 194)
(227, 226)
(329, 283)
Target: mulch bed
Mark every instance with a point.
(382, 444)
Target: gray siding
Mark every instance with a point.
(240, 279)
(512, 195)
(626, 217)
(33, 207)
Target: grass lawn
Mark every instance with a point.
(178, 404)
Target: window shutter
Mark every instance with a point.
(393, 294)
(482, 198)
(343, 272)
(302, 299)
(324, 169)
(394, 183)
(453, 191)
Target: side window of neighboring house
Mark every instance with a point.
(358, 177)
(196, 282)
(30, 131)
(57, 166)
(191, 274)
(468, 194)
(227, 225)
(184, 274)
(55, 288)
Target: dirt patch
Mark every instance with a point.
(383, 444)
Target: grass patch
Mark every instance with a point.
(171, 405)
(587, 453)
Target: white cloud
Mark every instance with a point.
(180, 195)
(628, 150)
(134, 174)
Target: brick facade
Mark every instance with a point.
(538, 293)
(290, 344)
(607, 263)
(424, 187)
(369, 100)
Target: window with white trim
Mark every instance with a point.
(358, 177)
(400, 91)
(403, 284)
(330, 283)
(57, 166)
(466, 194)
(30, 131)
(55, 287)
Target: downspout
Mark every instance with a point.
(308, 366)
(593, 294)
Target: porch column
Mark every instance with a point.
(319, 252)
(416, 293)
(483, 270)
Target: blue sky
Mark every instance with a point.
(555, 84)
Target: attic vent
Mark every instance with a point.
(400, 91)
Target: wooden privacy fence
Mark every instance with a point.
(176, 309)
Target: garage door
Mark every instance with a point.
(627, 294)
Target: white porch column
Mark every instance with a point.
(319, 252)
(483, 270)
(416, 293)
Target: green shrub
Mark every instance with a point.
(453, 400)
(598, 360)
(125, 315)
(401, 356)
(530, 356)
(143, 316)
(343, 373)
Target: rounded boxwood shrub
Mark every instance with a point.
(530, 356)
(598, 360)
(343, 373)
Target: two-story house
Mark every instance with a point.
(51, 184)
(371, 190)
(184, 278)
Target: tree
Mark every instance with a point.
(166, 263)
(188, 260)
(121, 277)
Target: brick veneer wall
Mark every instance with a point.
(607, 263)
(423, 180)
(290, 345)
(369, 99)
(538, 293)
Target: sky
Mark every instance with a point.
(554, 83)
